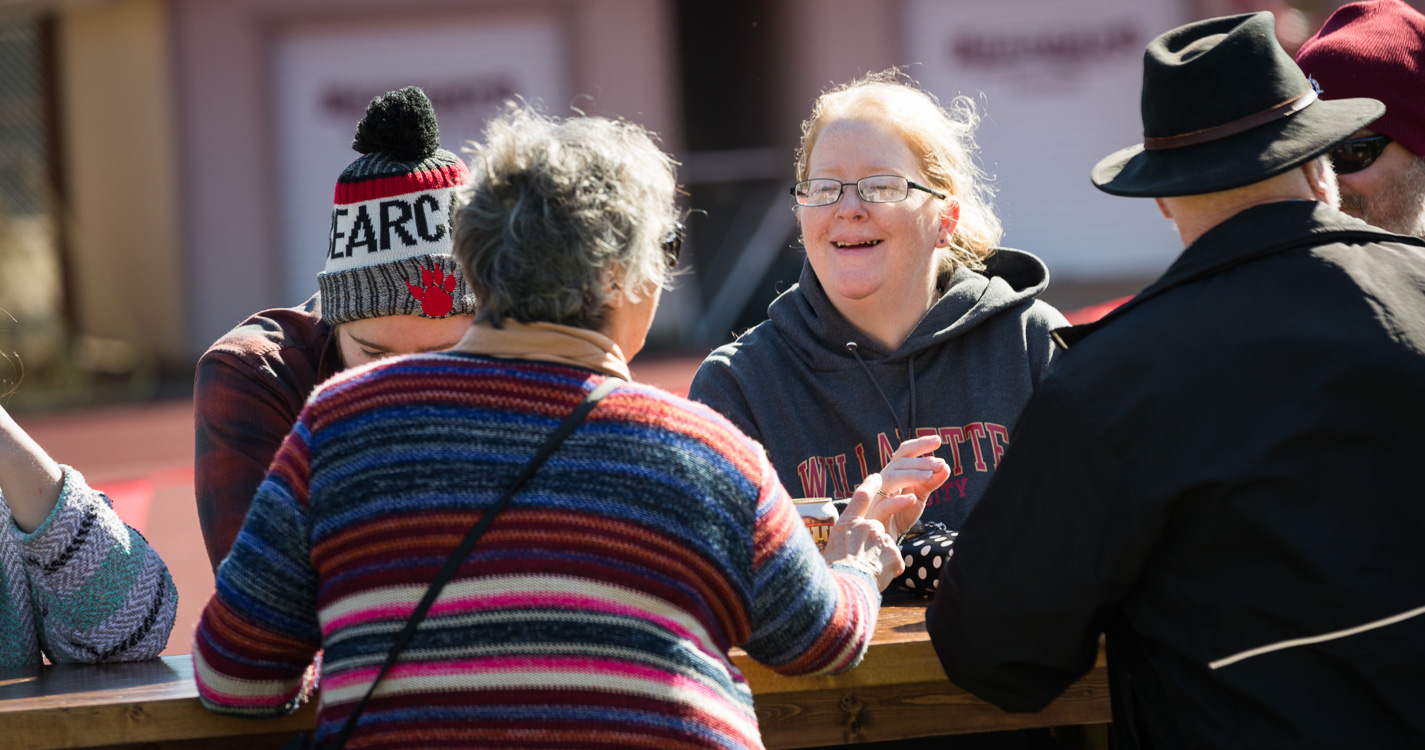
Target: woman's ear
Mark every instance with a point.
(612, 272)
(949, 219)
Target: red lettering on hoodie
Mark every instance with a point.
(952, 437)
(974, 431)
(839, 473)
(999, 440)
(813, 476)
(885, 445)
(943, 493)
(825, 476)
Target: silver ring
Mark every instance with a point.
(882, 494)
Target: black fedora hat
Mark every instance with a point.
(1224, 106)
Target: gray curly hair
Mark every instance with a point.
(943, 141)
(560, 215)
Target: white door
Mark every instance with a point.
(326, 74)
(1058, 82)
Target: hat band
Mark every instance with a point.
(1218, 132)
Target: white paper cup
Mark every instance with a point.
(819, 514)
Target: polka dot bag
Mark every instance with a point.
(925, 555)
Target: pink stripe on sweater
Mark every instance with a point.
(267, 700)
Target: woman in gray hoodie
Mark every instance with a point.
(907, 321)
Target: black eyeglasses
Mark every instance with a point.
(1358, 153)
(672, 244)
(881, 188)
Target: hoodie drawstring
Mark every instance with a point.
(910, 366)
(900, 430)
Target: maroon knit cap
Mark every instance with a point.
(1374, 49)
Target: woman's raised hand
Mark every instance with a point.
(912, 471)
(860, 540)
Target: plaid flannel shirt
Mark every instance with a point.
(249, 389)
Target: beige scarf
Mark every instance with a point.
(546, 342)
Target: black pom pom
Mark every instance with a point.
(399, 124)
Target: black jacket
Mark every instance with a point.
(1230, 461)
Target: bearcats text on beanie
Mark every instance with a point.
(389, 249)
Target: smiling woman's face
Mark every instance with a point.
(871, 253)
(370, 339)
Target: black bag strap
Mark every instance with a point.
(457, 557)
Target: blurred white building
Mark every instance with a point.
(191, 146)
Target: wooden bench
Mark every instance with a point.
(899, 691)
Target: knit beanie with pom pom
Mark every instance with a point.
(389, 250)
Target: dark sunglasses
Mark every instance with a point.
(672, 244)
(1358, 153)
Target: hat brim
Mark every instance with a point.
(1238, 160)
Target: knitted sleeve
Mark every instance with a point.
(807, 617)
(259, 631)
(99, 592)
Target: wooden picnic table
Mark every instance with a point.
(899, 691)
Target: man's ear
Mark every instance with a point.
(1319, 180)
(1164, 208)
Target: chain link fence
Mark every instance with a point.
(33, 335)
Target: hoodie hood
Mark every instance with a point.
(818, 333)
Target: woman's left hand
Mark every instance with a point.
(906, 482)
(859, 540)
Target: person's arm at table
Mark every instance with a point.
(810, 615)
(30, 479)
(259, 631)
(1056, 541)
(240, 416)
(102, 593)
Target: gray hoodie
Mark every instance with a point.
(831, 406)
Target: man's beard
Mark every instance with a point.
(1399, 209)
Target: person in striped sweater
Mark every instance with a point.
(76, 583)
(599, 608)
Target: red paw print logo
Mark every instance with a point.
(434, 292)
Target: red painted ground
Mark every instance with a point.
(1092, 313)
(142, 457)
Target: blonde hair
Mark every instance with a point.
(942, 140)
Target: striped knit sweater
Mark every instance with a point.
(596, 612)
(83, 587)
